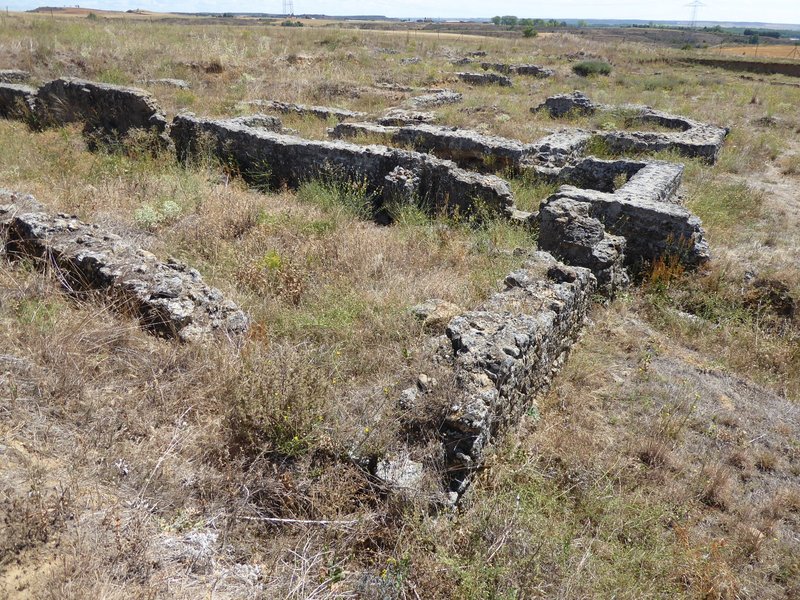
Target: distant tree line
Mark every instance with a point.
(763, 33)
(513, 22)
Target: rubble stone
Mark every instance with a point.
(108, 111)
(484, 79)
(563, 104)
(291, 160)
(321, 112)
(14, 76)
(174, 83)
(570, 234)
(507, 69)
(435, 99)
(168, 298)
(505, 353)
(399, 116)
(260, 121)
(435, 312)
(17, 101)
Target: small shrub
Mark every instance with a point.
(591, 67)
(529, 32)
(278, 403)
(149, 216)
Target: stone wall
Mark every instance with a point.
(690, 138)
(321, 112)
(534, 70)
(484, 79)
(652, 229)
(500, 356)
(108, 111)
(168, 298)
(469, 149)
(282, 159)
(17, 101)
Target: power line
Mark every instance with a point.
(288, 8)
(694, 5)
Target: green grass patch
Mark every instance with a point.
(588, 68)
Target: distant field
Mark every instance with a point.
(74, 11)
(789, 51)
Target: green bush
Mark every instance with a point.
(592, 67)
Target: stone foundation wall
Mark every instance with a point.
(502, 355)
(283, 159)
(168, 298)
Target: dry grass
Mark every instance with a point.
(137, 468)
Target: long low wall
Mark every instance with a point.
(497, 359)
(438, 185)
(168, 298)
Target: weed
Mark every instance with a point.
(587, 68)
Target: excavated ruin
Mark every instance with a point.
(168, 298)
(644, 213)
(321, 112)
(506, 69)
(606, 216)
(108, 112)
(499, 357)
(690, 138)
(437, 185)
(484, 79)
(17, 101)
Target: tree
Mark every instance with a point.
(496, 20)
(509, 20)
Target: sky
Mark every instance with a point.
(766, 11)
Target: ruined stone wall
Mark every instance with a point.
(168, 298)
(502, 355)
(17, 101)
(469, 149)
(108, 112)
(691, 138)
(283, 159)
(652, 229)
